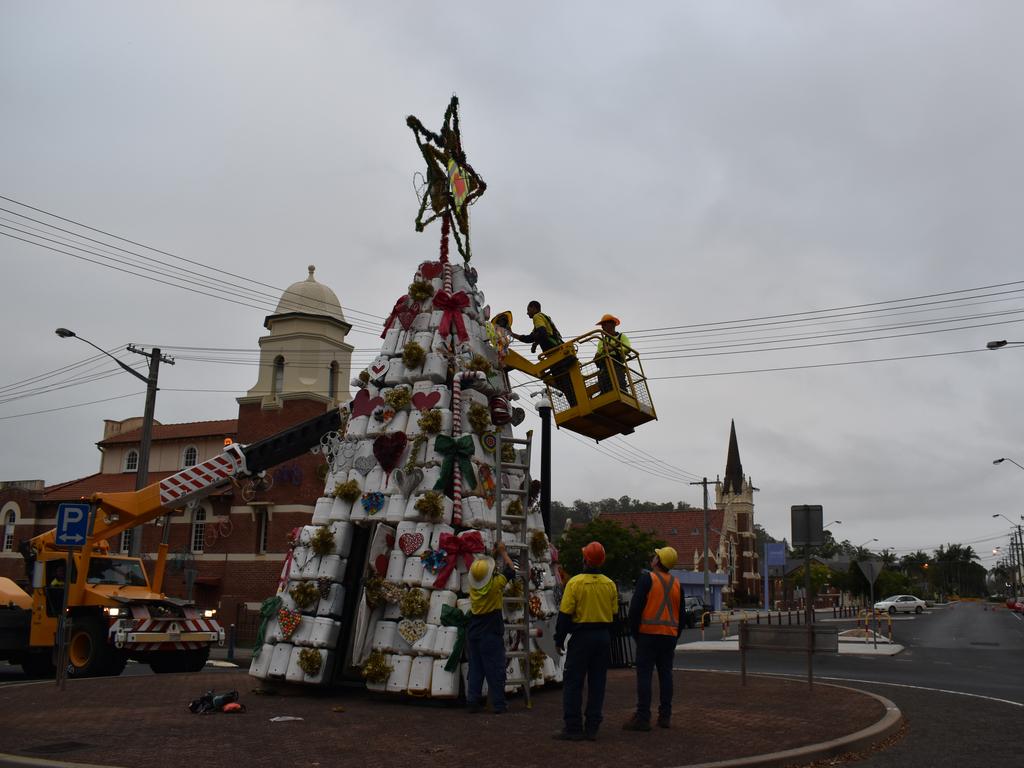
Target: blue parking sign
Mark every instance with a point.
(72, 524)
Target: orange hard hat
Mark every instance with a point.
(608, 319)
(593, 554)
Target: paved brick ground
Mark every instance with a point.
(134, 721)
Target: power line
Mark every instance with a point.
(67, 407)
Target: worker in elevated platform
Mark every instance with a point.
(612, 350)
(545, 335)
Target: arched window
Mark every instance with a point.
(198, 529)
(189, 456)
(278, 384)
(131, 461)
(332, 381)
(7, 543)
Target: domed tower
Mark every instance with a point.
(305, 357)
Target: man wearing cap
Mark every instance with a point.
(589, 604)
(612, 349)
(546, 335)
(486, 633)
(656, 620)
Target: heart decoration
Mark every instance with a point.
(289, 621)
(408, 315)
(389, 541)
(412, 630)
(373, 502)
(364, 464)
(380, 565)
(410, 543)
(424, 401)
(408, 480)
(363, 404)
(431, 269)
(389, 449)
(323, 586)
(379, 367)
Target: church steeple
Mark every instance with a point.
(733, 467)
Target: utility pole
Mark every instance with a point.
(142, 475)
(707, 588)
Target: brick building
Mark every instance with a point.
(228, 551)
(730, 531)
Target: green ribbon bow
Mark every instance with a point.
(452, 450)
(453, 617)
(267, 611)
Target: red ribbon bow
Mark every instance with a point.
(452, 304)
(465, 546)
(402, 303)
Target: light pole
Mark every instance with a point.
(834, 522)
(859, 546)
(1003, 343)
(1000, 461)
(1015, 550)
(155, 358)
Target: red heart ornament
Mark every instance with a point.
(431, 269)
(424, 401)
(363, 404)
(407, 315)
(410, 542)
(380, 564)
(379, 367)
(388, 450)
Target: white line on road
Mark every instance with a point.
(866, 682)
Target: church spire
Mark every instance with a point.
(733, 467)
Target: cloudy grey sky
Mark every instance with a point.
(682, 165)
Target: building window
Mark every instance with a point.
(8, 540)
(131, 461)
(278, 384)
(198, 529)
(262, 532)
(332, 381)
(189, 456)
(126, 542)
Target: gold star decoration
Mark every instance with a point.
(451, 184)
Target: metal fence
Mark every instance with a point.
(623, 644)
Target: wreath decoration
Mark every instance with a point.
(431, 506)
(305, 593)
(430, 421)
(413, 355)
(376, 668)
(479, 418)
(514, 588)
(515, 508)
(537, 659)
(310, 661)
(364, 376)
(322, 542)
(479, 363)
(398, 398)
(414, 604)
(421, 290)
(508, 453)
(348, 491)
(538, 544)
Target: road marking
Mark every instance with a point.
(865, 682)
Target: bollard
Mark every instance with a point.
(231, 642)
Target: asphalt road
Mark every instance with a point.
(959, 683)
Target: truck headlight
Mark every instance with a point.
(112, 611)
(209, 613)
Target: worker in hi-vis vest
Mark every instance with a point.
(656, 620)
(612, 349)
(545, 334)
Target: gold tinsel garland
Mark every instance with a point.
(479, 418)
(431, 505)
(398, 398)
(414, 604)
(304, 594)
(508, 453)
(376, 668)
(322, 542)
(537, 659)
(538, 544)
(515, 508)
(348, 491)
(430, 421)
(421, 291)
(514, 588)
(310, 661)
(479, 363)
(413, 355)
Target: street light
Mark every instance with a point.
(834, 522)
(1000, 461)
(142, 473)
(1003, 343)
(859, 546)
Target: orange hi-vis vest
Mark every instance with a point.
(661, 612)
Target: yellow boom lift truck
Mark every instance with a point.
(113, 609)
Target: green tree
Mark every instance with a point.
(628, 550)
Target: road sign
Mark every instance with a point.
(72, 524)
(807, 527)
(775, 553)
(870, 569)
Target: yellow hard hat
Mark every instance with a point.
(480, 572)
(667, 556)
(506, 315)
(608, 319)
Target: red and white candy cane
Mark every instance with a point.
(456, 433)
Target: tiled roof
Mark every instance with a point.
(84, 487)
(676, 528)
(222, 428)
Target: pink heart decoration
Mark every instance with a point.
(409, 543)
(388, 449)
(363, 404)
(424, 401)
(379, 367)
(431, 269)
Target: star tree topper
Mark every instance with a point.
(452, 185)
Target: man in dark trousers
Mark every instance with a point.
(486, 633)
(545, 335)
(589, 604)
(656, 621)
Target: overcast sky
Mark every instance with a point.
(676, 164)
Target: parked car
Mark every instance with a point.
(692, 611)
(901, 604)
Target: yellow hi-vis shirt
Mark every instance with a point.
(590, 598)
(488, 599)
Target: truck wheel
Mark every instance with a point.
(179, 661)
(39, 663)
(89, 651)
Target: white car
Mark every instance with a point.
(901, 604)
